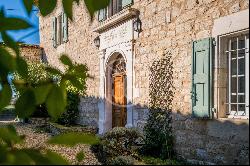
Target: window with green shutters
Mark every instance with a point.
(126, 3)
(114, 7)
(60, 30)
(65, 27)
(202, 78)
(102, 14)
(54, 31)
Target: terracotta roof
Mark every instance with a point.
(25, 45)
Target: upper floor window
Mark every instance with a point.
(114, 7)
(60, 30)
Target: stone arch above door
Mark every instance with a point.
(107, 57)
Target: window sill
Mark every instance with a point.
(116, 19)
(238, 117)
(235, 119)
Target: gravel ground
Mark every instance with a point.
(36, 139)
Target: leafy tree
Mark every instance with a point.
(50, 92)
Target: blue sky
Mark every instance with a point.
(17, 10)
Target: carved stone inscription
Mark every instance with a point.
(117, 35)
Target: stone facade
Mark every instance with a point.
(31, 53)
(169, 28)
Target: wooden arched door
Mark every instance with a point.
(119, 88)
(119, 112)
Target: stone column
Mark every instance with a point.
(129, 68)
(101, 104)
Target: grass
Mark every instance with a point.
(157, 161)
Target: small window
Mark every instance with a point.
(114, 7)
(238, 75)
(60, 30)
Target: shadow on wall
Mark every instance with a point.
(216, 141)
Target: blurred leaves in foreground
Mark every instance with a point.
(32, 93)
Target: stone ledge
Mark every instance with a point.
(116, 19)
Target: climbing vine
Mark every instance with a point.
(158, 129)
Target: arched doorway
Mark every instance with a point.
(116, 90)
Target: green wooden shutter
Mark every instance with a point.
(65, 27)
(202, 76)
(102, 14)
(54, 31)
(126, 3)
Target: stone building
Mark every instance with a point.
(200, 47)
(32, 53)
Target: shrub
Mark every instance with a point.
(119, 141)
(122, 160)
(158, 135)
(158, 161)
(69, 117)
(37, 74)
(41, 112)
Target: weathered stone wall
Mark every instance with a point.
(171, 26)
(168, 26)
(31, 53)
(81, 49)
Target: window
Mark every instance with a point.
(114, 7)
(60, 30)
(238, 75)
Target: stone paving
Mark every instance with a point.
(37, 140)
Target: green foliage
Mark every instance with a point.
(72, 139)
(28, 5)
(80, 156)
(10, 155)
(158, 161)
(34, 92)
(26, 102)
(158, 135)
(45, 7)
(119, 141)
(37, 74)
(123, 160)
(5, 96)
(93, 6)
(69, 117)
(67, 6)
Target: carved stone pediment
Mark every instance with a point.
(116, 19)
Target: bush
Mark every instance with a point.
(158, 161)
(123, 160)
(41, 112)
(119, 141)
(69, 117)
(158, 135)
(38, 74)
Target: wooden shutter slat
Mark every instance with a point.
(102, 15)
(54, 31)
(65, 27)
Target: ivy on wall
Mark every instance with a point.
(158, 129)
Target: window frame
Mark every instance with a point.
(226, 50)
(109, 12)
(59, 30)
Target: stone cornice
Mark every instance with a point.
(116, 19)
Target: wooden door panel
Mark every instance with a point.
(119, 109)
